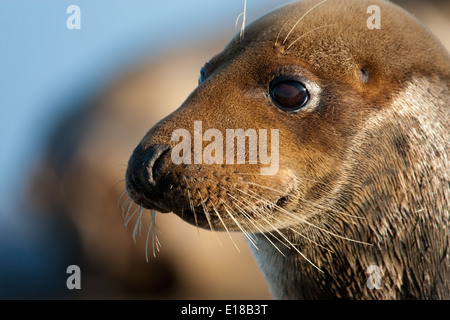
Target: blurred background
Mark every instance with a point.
(73, 105)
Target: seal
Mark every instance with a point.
(358, 206)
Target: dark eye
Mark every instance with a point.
(204, 71)
(289, 95)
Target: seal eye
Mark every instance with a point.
(289, 95)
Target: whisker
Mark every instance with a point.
(155, 241)
(305, 34)
(208, 217)
(336, 210)
(276, 229)
(279, 33)
(154, 235)
(310, 240)
(126, 202)
(270, 233)
(265, 187)
(256, 210)
(128, 219)
(121, 196)
(296, 249)
(239, 225)
(128, 210)
(263, 232)
(235, 26)
(191, 204)
(237, 19)
(303, 220)
(298, 21)
(244, 16)
(121, 180)
(303, 178)
(140, 227)
(224, 225)
(315, 205)
(245, 216)
(146, 240)
(138, 221)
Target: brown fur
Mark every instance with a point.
(368, 162)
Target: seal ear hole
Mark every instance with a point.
(364, 75)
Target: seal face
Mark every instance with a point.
(344, 164)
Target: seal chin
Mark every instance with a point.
(152, 206)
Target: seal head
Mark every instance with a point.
(358, 119)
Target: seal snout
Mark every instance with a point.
(143, 177)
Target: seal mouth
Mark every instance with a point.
(141, 200)
(199, 211)
(153, 206)
(203, 215)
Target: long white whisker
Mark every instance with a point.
(239, 225)
(265, 187)
(244, 17)
(279, 33)
(305, 34)
(310, 203)
(140, 227)
(208, 217)
(126, 202)
(296, 249)
(146, 241)
(138, 221)
(255, 210)
(121, 196)
(225, 226)
(303, 220)
(155, 241)
(191, 204)
(298, 21)
(154, 235)
(248, 219)
(310, 240)
(263, 232)
(237, 19)
(129, 217)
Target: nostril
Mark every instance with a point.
(144, 164)
(154, 162)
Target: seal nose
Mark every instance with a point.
(143, 168)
